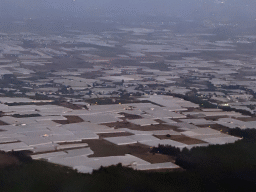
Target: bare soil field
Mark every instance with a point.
(181, 139)
(246, 119)
(103, 135)
(132, 126)
(3, 123)
(215, 118)
(217, 127)
(191, 109)
(62, 63)
(155, 158)
(70, 105)
(103, 148)
(70, 119)
(91, 75)
(159, 121)
(130, 116)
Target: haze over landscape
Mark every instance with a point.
(114, 95)
(190, 9)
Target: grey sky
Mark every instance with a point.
(181, 8)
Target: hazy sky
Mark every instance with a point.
(180, 8)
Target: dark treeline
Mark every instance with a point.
(40, 176)
(230, 167)
(246, 134)
(167, 150)
(227, 108)
(220, 163)
(29, 103)
(195, 99)
(22, 156)
(206, 104)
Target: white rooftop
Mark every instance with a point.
(121, 140)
